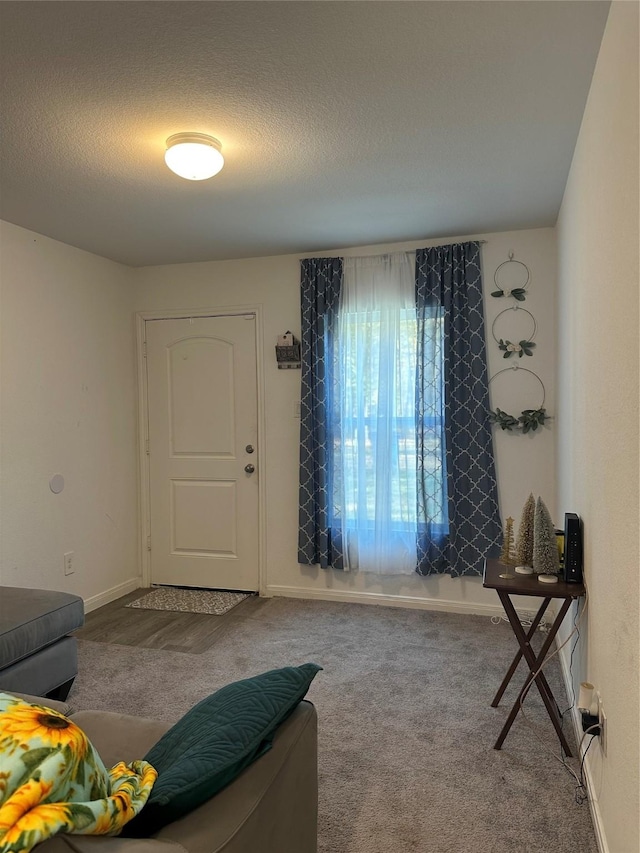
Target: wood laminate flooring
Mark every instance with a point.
(192, 633)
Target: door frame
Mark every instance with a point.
(144, 481)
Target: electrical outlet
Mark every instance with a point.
(603, 726)
(69, 563)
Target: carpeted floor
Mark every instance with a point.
(405, 725)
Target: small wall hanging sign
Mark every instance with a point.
(288, 352)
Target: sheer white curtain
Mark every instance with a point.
(375, 468)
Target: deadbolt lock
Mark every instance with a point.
(249, 448)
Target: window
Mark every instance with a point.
(396, 455)
(374, 417)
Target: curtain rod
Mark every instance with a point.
(318, 257)
(482, 242)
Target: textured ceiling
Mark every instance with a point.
(342, 123)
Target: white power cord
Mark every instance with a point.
(528, 685)
(526, 620)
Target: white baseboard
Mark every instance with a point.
(110, 595)
(357, 597)
(594, 805)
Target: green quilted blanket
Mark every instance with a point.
(52, 780)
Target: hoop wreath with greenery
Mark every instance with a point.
(529, 419)
(518, 293)
(520, 348)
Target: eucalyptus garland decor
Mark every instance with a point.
(522, 348)
(518, 293)
(529, 419)
(503, 419)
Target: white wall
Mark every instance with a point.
(525, 463)
(68, 402)
(598, 411)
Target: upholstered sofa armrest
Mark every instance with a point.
(119, 737)
(100, 844)
(271, 807)
(61, 707)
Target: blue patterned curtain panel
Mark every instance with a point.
(457, 521)
(449, 285)
(318, 538)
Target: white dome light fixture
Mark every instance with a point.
(194, 156)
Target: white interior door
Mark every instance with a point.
(202, 409)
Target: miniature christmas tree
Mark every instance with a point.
(506, 555)
(524, 541)
(545, 548)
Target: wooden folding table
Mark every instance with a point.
(530, 585)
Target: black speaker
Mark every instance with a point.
(572, 548)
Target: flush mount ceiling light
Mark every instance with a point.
(194, 156)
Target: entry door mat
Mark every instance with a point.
(212, 601)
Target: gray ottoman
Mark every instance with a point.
(36, 654)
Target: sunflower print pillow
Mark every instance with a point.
(53, 780)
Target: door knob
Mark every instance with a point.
(249, 468)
